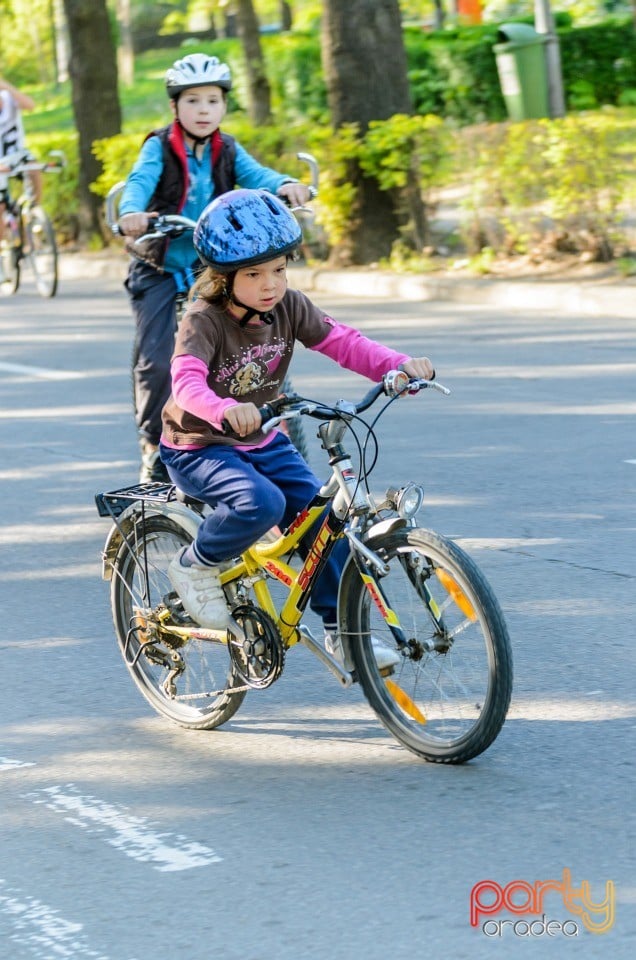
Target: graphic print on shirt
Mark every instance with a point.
(253, 368)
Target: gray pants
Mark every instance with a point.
(152, 298)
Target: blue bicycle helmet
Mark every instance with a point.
(245, 227)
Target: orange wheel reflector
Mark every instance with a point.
(456, 593)
(403, 700)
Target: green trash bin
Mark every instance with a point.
(523, 72)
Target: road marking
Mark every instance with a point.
(42, 930)
(134, 836)
(7, 764)
(42, 372)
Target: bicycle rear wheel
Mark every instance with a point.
(9, 264)
(190, 682)
(448, 697)
(42, 251)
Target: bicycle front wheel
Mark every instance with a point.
(9, 265)
(191, 682)
(447, 698)
(42, 248)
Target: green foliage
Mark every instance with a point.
(117, 156)
(586, 174)
(509, 172)
(404, 259)
(603, 56)
(26, 42)
(294, 71)
(336, 151)
(402, 145)
(626, 266)
(567, 178)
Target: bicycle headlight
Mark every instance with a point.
(406, 501)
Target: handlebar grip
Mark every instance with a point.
(267, 412)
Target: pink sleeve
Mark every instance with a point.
(191, 392)
(353, 351)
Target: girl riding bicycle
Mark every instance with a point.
(233, 349)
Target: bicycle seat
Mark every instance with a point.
(189, 501)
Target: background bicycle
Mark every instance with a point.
(28, 231)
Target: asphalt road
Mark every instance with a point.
(300, 830)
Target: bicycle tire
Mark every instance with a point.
(450, 704)
(10, 257)
(42, 247)
(203, 697)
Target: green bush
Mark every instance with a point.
(565, 179)
(512, 190)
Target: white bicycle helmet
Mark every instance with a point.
(197, 70)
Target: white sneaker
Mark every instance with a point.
(201, 593)
(152, 469)
(385, 656)
(333, 646)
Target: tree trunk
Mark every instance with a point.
(286, 15)
(125, 51)
(440, 14)
(259, 105)
(364, 63)
(93, 72)
(60, 34)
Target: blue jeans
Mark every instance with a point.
(251, 492)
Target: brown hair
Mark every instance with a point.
(212, 287)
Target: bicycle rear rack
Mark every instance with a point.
(113, 503)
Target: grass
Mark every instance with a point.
(144, 105)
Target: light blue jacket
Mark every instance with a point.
(143, 179)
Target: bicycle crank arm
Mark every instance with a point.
(306, 638)
(205, 633)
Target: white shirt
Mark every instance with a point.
(11, 130)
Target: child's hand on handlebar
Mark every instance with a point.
(419, 367)
(295, 194)
(243, 418)
(135, 224)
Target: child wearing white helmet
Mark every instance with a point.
(180, 169)
(232, 353)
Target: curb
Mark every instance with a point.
(586, 297)
(590, 297)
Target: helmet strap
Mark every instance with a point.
(196, 140)
(267, 317)
(250, 312)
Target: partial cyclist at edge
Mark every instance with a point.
(232, 353)
(180, 169)
(12, 143)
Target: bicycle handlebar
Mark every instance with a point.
(166, 224)
(26, 163)
(394, 384)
